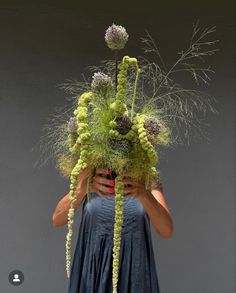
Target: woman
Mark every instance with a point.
(91, 270)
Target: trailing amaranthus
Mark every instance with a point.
(82, 146)
(123, 135)
(119, 189)
(143, 137)
(147, 146)
(118, 107)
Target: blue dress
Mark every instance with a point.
(91, 268)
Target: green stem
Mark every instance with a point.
(135, 91)
(116, 71)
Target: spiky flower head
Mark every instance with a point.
(116, 37)
(152, 126)
(124, 124)
(101, 82)
(72, 125)
(124, 146)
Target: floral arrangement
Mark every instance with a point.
(122, 117)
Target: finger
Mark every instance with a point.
(125, 176)
(105, 181)
(99, 193)
(105, 194)
(103, 171)
(127, 181)
(84, 171)
(132, 184)
(128, 194)
(104, 188)
(107, 189)
(132, 191)
(128, 186)
(128, 190)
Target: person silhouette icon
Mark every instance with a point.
(16, 278)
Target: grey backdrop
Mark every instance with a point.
(42, 44)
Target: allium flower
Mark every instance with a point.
(152, 126)
(124, 124)
(72, 124)
(101, 81)
(124, 145)
(116, 37)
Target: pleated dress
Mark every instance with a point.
(91, 268)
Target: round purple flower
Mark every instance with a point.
(72, 125)
(124, 146)
(101, 81)
(152, 125)
(116, 37)
(124, 124)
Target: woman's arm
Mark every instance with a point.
(60, 215)
(157, 210)
(153, 202)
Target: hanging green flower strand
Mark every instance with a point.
(119, 189)
(80, 145)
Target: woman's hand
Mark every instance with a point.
(131, 187)
(99, 182)
(83, 179)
